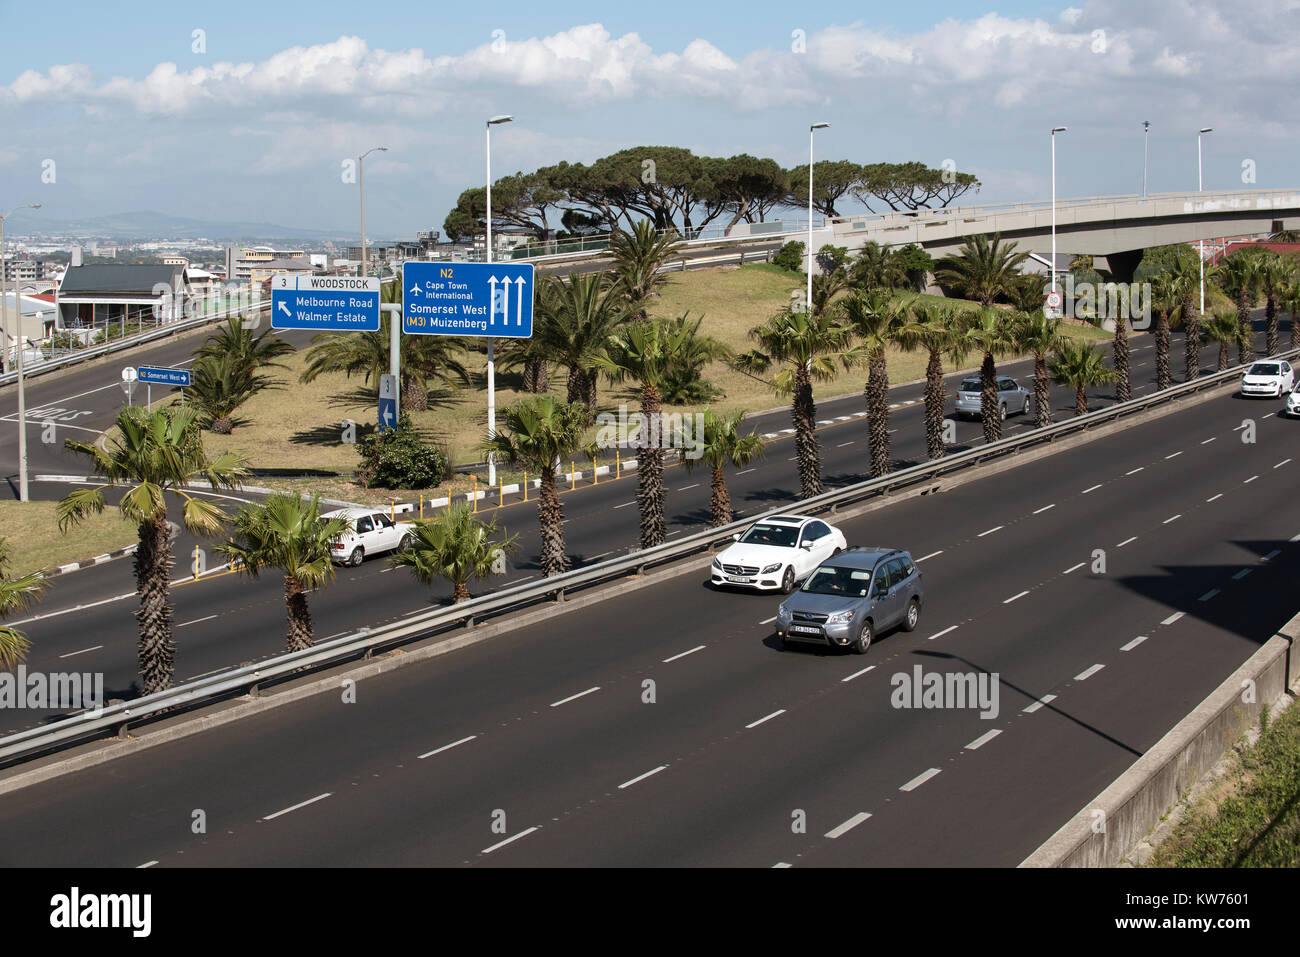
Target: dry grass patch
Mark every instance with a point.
(31, 530)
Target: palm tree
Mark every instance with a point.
(425, 360)
(639, 256)
(991, 332)
(806, 345)
(1185, 281)
(1037, 333)
(1222, 328)
(931, 328)
(456, 546)
(1290, 300)
(1239, 277)
(154, 453)
(825, 287)
(1120, 360)
(1079, 365)
(287, 533)
(221, 384)
(1275, 275)
(537, 432)
(16, 594)
(574, 322)
(876, 267)
(236, 338)
(1165, 299)
(1028, 292)
(983, 270)
(723, 444)
(684, 382)
(878, 318)
(648, 352)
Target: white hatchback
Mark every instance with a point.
(1273, 378)
(372, 532)
(776, 553)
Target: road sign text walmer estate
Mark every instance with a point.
(326, 303)
(468, 299)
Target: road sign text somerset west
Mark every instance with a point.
(152, 375)
(468, 299)
(325, 303)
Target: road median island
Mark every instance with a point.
(1108, 828)
(419, 641)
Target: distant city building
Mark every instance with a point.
(261, 272)
(38, 321)
(240, 262)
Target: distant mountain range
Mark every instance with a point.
(145, 225)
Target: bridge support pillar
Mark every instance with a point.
(1123, 264)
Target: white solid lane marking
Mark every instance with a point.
(983, 739)
(1126, 541)
(1172, 518)
(1213, 497)
(1007, 601)
(1242, 574)
(774, 714)
(1038, 511)
(1173, 455)
(931, 555)
(641, 777)
(574, 697)
(626, 504)
(780, 864)
(81, 652)
(1093, 489)
(145, 864)
(1135, 471)
(1134, 643)
(208, 618)
(1209, 594)
(1045, 699)
(684, 654)
(842, 444)
(686, 487)
(990, 531)
(920, 779)
(857, 674)
(1074, 568)
(447, 747)
(940, 634)
(1208, 441)
(301, 804)
(1249, 480)
(1282, 463)
(747, 471)
(1172, 618)
(1088, 673)
(848, 825)
(768, 621)
(508, 840)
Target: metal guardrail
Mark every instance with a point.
(363, 643)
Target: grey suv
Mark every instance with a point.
(854, 596)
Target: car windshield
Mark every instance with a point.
(1263, 368)
(782, 536)
(970, 385)
(828, 580)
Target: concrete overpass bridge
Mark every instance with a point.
(1117, 228)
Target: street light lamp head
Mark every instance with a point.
(500, 119)
(1208, 129)
(819, 126)
(1059, 129)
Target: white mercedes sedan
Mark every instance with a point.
(776, 553)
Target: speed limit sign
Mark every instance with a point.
(1053, 305)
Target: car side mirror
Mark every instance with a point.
(881, 591)
(735, 536)
(807, 546)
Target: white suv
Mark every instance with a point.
(372, 532)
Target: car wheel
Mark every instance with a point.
(405, 544)
(787, 581)
(1025, 410)
(357, 555)
(913, 615)
(863, 641)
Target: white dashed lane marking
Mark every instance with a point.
(848, 825)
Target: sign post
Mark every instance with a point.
(129, 376)
(487, 300)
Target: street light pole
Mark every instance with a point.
(1200, 185)
(491, 344)
(1055, 130)
(361, 181)
(22, 394)
(815, 126)
(1146, 153)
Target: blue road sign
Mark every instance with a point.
(325, 303)
(468, 299)
(387, 402)
(152, 375)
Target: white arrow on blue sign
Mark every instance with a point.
(325, 303)
(468, 299)
(387, 402)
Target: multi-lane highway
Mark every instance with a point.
(85, 621)
(667, 726)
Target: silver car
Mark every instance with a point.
(1012, 397)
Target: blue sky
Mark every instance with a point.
(257, 126)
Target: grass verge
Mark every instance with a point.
(35, 542)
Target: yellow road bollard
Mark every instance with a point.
(617, 467)
(573, 477)
(501, 484)
(422, 505)
(525, 486)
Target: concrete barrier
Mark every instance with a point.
(1137, 800)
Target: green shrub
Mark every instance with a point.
(790, 256)
(400, 458)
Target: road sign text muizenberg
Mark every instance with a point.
(468, 299)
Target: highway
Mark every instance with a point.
(86, 618)
(548, 731)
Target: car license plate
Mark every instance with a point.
(805, 629)
(740, 579)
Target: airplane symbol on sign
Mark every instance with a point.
(415, 290)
